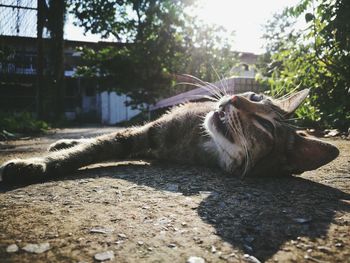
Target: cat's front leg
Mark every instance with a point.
(66, 143)
(22, 170)
(117, 145)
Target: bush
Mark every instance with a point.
(316, 57)
(22, 122)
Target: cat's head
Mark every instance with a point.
(252, 136)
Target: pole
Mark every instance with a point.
(40, 59)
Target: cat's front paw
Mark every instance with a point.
(17, 171)
(62, 144)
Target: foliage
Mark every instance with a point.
(22, 122)
(208, 50)
(317, 57)
(161, 40)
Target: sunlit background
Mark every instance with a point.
(245, 17)
(262, 49)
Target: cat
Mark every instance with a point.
(243, 134)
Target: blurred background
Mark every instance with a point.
(70, 62)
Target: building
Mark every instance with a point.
(90, 99)
(242, 79)
(85, 98)
(246, 66)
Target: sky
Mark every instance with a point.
(245, 17)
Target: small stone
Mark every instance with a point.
(204, 193)
(172, 187)
(332, 133)
(100, 230)
(140, 243)
(250, 258)
(213, 249)
(121, 235)
(247, 247)
(308, 246)
(172, 245)
(249, 239)
(12, 248)
(194, 259)
(339, 244)
(302, 220)
(150, 249)
(324, 249)
(104, 256)
(37, 248)
(233, 255)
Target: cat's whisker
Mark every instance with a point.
(222, 93)
(227, 86)
(205, 87)
(215, 88)
(289, 94)
(244, 144)
(293, 119)
(220, 79)
(206, 97)
(279, 92)
(237, 129)
(202, 81)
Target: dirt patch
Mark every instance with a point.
(146, 212)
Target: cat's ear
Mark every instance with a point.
(306, 153)
(292, 102)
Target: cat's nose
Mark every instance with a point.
(233, 100)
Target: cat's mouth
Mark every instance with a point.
(220, 121)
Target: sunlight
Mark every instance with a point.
(246, 18)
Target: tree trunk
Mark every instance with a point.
(57, 16)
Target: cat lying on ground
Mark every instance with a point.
(243, 134)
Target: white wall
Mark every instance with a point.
(104, 107)
(113, 108)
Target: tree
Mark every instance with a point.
(160, 41)
(56, 19)
(317, 57)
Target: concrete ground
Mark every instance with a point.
(138, 211)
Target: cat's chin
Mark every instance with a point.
(210, 124)
(216, 128)
(230, 154)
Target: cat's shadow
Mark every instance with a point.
(256, 215)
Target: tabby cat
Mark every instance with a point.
(243, 134)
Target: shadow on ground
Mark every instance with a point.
(255, 215)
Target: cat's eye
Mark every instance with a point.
(267, 125)
(256, 98)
